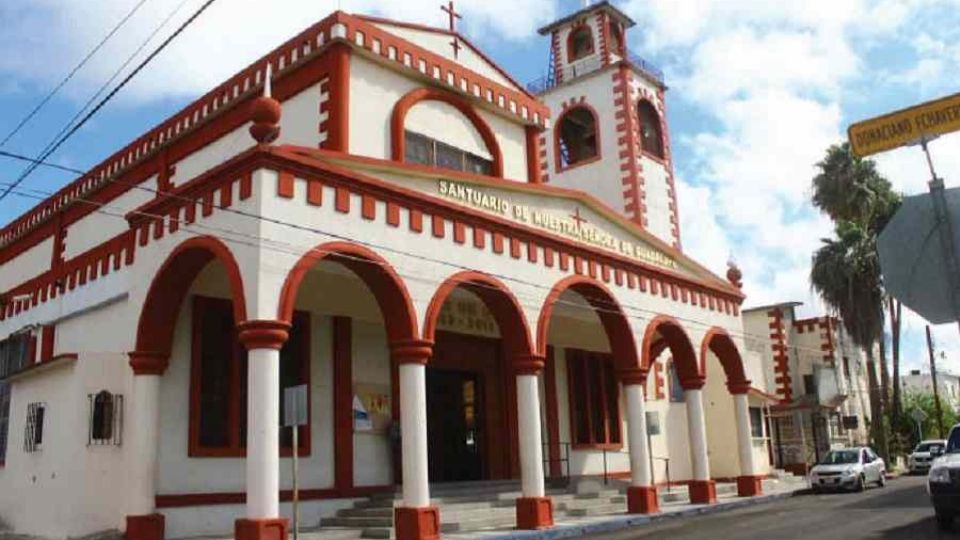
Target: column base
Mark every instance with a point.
(749, 486)
(146, 527)
(421, 523)
(534, 512)
(642, 500)
(261, 529)
(703, 492)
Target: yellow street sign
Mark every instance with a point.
(905, 126)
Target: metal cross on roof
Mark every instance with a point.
(452, 13)
(576, 217)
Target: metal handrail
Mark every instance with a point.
(564, 458)
(589, 65)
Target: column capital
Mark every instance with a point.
(411, 351)
(528, 364)
(149, 362)
(739, 387)
(633, 375)
(693, 383)
(263, 334)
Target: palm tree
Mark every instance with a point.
(846, 271)
(846, 274)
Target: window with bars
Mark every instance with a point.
(33, 431)
(106, 419)
(594, 399)
(427, 151)
(4, 419)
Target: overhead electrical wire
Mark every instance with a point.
(59, 140)
(595, 304)
(43, 102)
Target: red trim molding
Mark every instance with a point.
(703, 491)
(411, 351)
(685, 360)
(534, 513)
(413, 97)
(416, 523)
(718, 341)
(642, 500)
(261, 529)
(343, 403)
(528, 364)
(149, 362)
(263, 334)
(146, 527)
(749, 486)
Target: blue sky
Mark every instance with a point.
(758, 90)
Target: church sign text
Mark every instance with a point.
(572, 226)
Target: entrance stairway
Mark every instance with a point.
(477, 506)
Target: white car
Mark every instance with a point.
(850, 469)
(923, 455)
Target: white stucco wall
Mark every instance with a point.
(26, 265)
(374, 90)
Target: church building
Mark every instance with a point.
(479, 282)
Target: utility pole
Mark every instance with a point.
(936, 390)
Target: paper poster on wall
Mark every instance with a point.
(371, 407)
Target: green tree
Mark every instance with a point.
(846, 269)
(925, 402)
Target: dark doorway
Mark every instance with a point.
(456, 434)
(471, 400)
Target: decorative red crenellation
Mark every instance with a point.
(781, 361)
(628, 143)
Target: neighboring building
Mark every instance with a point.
(819, 380)
(948, 386)
(405, 235)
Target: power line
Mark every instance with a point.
(21, 157)
(26, 119)
(51, 149)
(596, 304)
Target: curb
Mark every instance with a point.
(617, 523)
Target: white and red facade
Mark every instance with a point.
(198, 270)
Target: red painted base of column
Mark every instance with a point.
(148, 527)
(703, 492)
(261, 529)
(749, 486)
(417, 523)
(534, 512)
(642, 500)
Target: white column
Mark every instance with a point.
(698, 434)
(143, 422)
(744, 436)
(531, 449)
(263, 433)
(637, 436)
(413, 435)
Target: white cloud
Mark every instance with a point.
(50, 36)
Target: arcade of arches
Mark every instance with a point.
(483, 384)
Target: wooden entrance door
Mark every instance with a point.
(458, 361)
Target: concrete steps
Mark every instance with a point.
(465, 508)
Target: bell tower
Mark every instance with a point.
(609, 135)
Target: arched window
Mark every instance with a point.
(102, 422)
(579, 43)
(577, 139)
(616, 40)
(651, 137)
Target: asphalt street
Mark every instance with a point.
(901, 510)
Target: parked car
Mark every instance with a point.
(848, 469)
(943, 482)
(922, 456)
